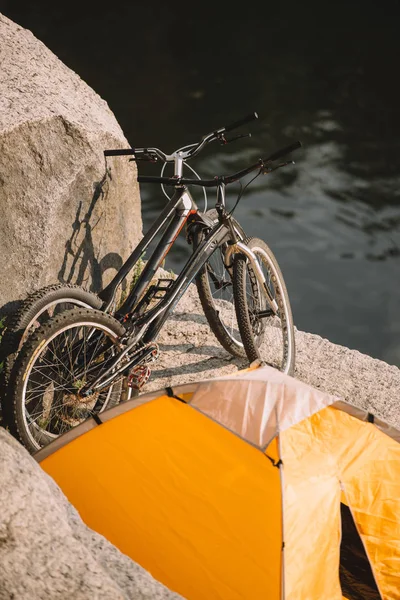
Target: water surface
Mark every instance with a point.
(324, 74)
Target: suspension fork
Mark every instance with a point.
(241, 248)
(224, 218)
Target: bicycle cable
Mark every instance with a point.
(242, 189)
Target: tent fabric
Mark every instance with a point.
(334, 449)
(236, 492)
(364, 415)
(186, 499)
(256, 407)
(255, 403)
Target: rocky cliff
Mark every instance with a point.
(64, 217)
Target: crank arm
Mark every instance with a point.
(138, 356)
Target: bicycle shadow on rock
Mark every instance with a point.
(184, 316)
(80, 263)
(182, 372)
(211, 351)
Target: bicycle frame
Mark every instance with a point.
(147, 326)
(176, 211)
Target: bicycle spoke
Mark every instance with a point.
(52, 403)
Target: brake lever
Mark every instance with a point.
(267, 169)
(223, 140)
(145, 157)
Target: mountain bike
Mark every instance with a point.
(73, 365)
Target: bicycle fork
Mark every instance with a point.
(241, 248)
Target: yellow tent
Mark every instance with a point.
(247, 487)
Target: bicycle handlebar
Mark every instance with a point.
(119, 152)
(262, 163)
(283, 152)
(178, 181)
(239, 123)
(194, 149)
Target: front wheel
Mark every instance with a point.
(58, 361)
(36, 310)
(215, 289)
(267, 330)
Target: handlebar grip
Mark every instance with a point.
(124, 152)
(252, 117)
(283, 151)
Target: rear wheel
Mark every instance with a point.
(267, 334)
(55, 363)
(215, 289)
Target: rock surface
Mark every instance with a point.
(189, 351)
(64, 216)
(47, 552)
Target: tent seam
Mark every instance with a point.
(256, 446)
(281, 479)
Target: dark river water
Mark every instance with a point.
(326, 74)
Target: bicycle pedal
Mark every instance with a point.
(139, 377)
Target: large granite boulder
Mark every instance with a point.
(47, 552)
(66, 214)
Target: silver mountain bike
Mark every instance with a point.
(77, 351)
